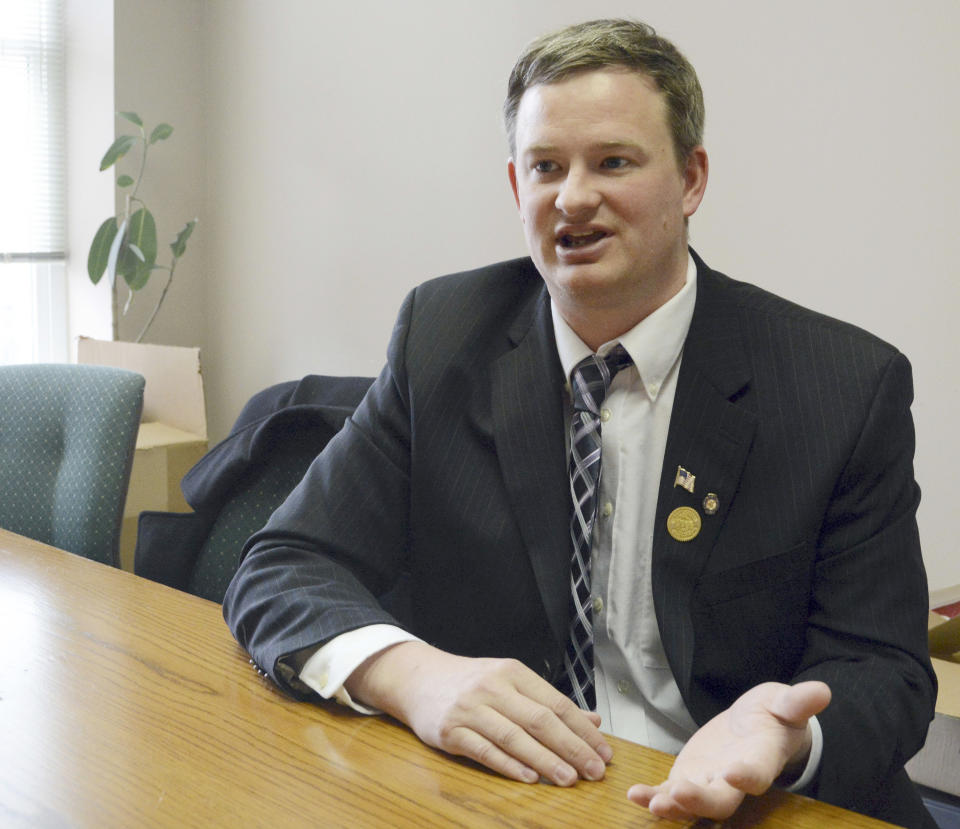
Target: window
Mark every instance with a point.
(32, 182)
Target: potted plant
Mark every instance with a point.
(126, 245)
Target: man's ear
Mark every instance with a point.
(695, 175)
(512, 174)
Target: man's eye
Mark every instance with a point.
(544, 166)
(614, 163)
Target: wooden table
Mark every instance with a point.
(124, 703)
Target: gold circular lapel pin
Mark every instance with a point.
(683, 523)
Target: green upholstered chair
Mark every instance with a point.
(238, 484)
(67, 438)
(255, 498)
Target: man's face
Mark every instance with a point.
(601, 195)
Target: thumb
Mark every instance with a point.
(796, 704)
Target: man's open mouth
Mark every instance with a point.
(579, 240)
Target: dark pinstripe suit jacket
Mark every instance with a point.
(451, 476)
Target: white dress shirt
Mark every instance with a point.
(637, 696)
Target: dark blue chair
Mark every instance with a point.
(945, 808)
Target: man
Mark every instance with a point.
(743, 581)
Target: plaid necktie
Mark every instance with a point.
(590, 381)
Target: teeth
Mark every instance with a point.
(576, 240)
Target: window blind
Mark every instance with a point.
(32, 114)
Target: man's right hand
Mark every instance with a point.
(495, 711)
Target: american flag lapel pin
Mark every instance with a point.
(684, 479)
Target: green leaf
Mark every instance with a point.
(132, 117)
(124, 180)
(138, 252)
(179, 245)
(114, 254)
(118, 149)
(160, 133)
(138, 279)
(143, 233)
(100, 249)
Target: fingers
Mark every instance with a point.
(641, 793)
(495, 711)
(559, 723)
(716, 801)
(546, 731)
(469, 743)
(496, 741)
(686, 800)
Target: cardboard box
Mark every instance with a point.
(943, 623)
(937, 765)
(173, 428)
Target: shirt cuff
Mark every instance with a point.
(813, 761)
(330, 666)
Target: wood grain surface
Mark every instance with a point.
(124, 703)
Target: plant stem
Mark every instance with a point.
(143, 164)
(156, 307)
(130, 197)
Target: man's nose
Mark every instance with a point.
(578, 193)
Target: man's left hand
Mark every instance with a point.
(741, 751)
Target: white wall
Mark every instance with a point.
(160, 58)
(353, 150)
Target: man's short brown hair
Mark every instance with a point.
(613, 44)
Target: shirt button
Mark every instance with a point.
(606, 510)
(604, 415)
(623, 686)
(654, 388)
(597, 606)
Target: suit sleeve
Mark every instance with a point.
(339, 542)
(866, 636)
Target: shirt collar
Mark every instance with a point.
(654, 343)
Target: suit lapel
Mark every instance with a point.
(527, 403)
(710, 437)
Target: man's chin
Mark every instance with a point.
(592, 285)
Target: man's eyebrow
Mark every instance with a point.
(540, 149)
(619, 145)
